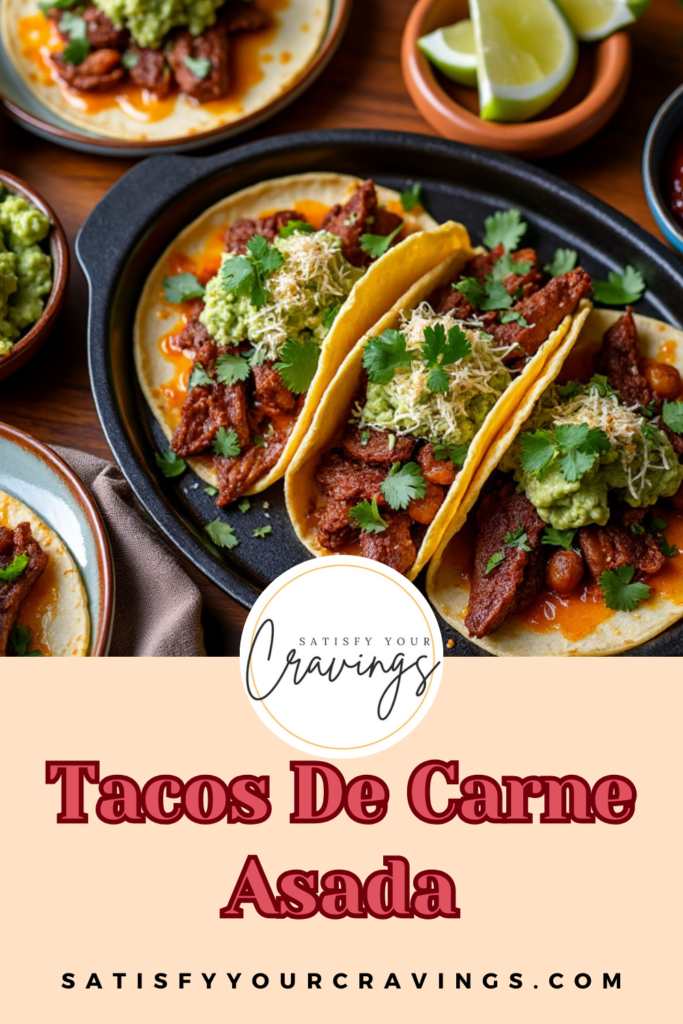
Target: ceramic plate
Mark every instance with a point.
(33, 473)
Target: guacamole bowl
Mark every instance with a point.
(55, 243)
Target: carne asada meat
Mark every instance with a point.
(151, 72)
(101, 31)
(394, 547)
(16, 542)
(350, 482)
(376, 452)
(207, 408)
(543, 311)
(435, 471)
(359, 216)
(236, 475)
(237, 236)
(335, 529)
(101, 70)
(271, 394)
(238, 16)
(195, 342)
(619, 362)
(518, 579)
(212, 45)
(447, 299)
(675, 439)
(607, 547)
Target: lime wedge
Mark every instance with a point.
(526, 55)
(595, 19)
(452, 51)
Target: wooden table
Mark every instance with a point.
(363, 88)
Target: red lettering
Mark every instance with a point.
(72, 774)
(419, 791)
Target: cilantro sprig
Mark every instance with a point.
(403, 483)
(412, 197)
(491, 294)
(672, 415)
(231, 368)
(78, 47)
(200, 67)
(375, 246)
(366, 515)
(621, 595)
(506, 228)
(440, 350)
(298, 364)
(517, 538)
(620, 289)
(225, 443)
(558, 538)
(198, 378)
(222, 534)
(385, 354)
(182, 287)
(246, 275)
(457, 453)
(15, 568)
(170, 464)
(563, 262)
(575, 446)
(20, 640)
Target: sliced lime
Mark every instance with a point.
(451, 50)
(596, 19)
(526, 55)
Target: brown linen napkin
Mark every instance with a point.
(158, 607)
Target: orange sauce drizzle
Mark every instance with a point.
(668, 582)
(575, 616)
(667, 352)
(39, 38)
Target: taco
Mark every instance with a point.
(142, 70)
(248, 314)
(568, 540)
(414, 408)
(43, 605)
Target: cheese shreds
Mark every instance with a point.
(406, 405)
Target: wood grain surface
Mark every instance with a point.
(362, 88)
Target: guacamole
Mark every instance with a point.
(302, 296)
(640, 465)
(25, 269)
(406, 405)
(150, 20)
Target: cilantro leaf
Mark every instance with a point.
(376, 245)
(258, 441)
(668, 550)
(366, 515)
(268, 258)
(494, 561)
(20, 640)
(244, 275)
(244, 505)
(262, 531)
(599, 384)
(238, 276)
(620, 289)
(439, 351)
(331, 315)
(506, 228)
(497, 296)
(506, 265)
(300, 226)
(403, 484)
(458, 346)
(620, 594)
(562, 262)
(457, 453)
(579, 448)
(517, 539)
(558, 538)
(412, 197)
(200, 67)
(182, 287)
(538, 451)
(15, 568)
(61, 5)
(299, 363)
(672, 414)
(512, 317)
(198, 377)
(575, 463)
(225, 443)
(385, 354)
(170, 464)
(230, 368)
(473, 290)
(222, 534)
(637, 530)
(211, 491)
(570, 390)
(438, 382)
(130, 60)
(75, 51)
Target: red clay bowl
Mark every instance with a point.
(37, 333)
(590, 100)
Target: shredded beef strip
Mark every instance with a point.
(608, 547)
(543, 311)
(236, 475)
(519, 578)
(207, 408)
(447, 299)
(394, 547)
(335, 529)
(151, 72)
(435, 471)
(195, 342)
(212, 45)
(350, 482)
(12, 543)
(101, 70)
(376, 452)
(359, 216)
(618, 361)
(482, 265)
(270, 392)
(238, 16)
(237, 236)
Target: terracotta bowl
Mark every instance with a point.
(590, 100)
(37, 333)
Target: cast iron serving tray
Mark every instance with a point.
(140, 216)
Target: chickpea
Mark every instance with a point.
(564, 572)
(664, 380)
(677, 499)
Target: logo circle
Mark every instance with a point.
(341, 657)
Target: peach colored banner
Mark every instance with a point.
(536, 900)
